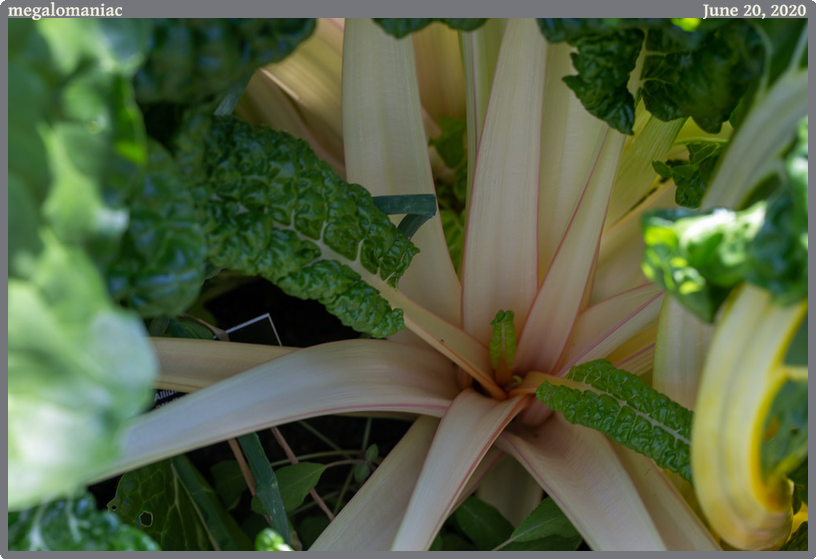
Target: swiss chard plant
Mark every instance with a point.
(606, 189)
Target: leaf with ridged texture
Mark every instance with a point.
(309, 83)
(559, 298)
(623, 407)
(191, 59)
(277, 210)
(571, 141)
(470, 425)
(73, 524)
(400, 27)
(579, 470)
(677, 523)
(355, 375)
(499, 267)
(603, 327)
(387, 151)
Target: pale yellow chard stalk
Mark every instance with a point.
(729, 372)
(615, 500)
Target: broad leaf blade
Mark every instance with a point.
(545, 521)
(482, 523)
(296, 481)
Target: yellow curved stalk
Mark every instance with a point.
(741, 376)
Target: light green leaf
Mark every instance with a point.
(621, 406)
(172, 503)
(73, 524)
(269, 540)
(296, 481)
(482, 523)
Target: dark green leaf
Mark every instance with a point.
(310, 529)
(229, 482)
(453, 224)
(269, 201)
(192, 59)
(545, 521)
(361, 472)
(296, 481)
(188, 329)
(372, 453)
(437, 543)
(800, 479)
(551, 543)
(622, 407)
(420, 204)
(798, 541)
(451, 144)
(160, 266)
(692, 178)
(266, 484)
(400, 27)
(797, 353)
(785, 431)
(482, 523)
(73, 524)
(172, 503)
(455, 542)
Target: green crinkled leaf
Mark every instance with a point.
(171, 502)
(700, 256)
(503, 339)
(192, 59)
(229, 482)
(296, 481)
(73, 524)
(400, 27)
(785, 431)
(703, 75)
(270, 204)
(798, 541)
(622, 407)
(160, 266)
(482, 523)
(692, 177)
